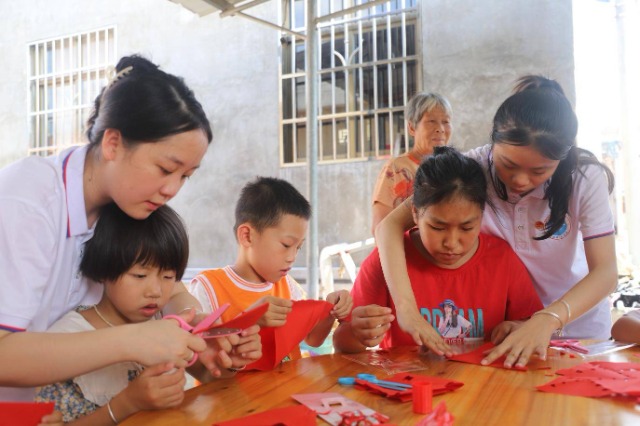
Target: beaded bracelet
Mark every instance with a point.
(113, 417)
(556, 316)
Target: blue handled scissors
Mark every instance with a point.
(201, 328)
(373, 379)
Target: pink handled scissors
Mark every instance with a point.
(573, 344)
(203, 330)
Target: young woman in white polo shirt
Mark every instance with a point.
(147, 135)
(550, 202)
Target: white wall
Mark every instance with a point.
(472, 53)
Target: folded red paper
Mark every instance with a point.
(438, 384)
(277, 342)
(298, 415)
(23, 413)
(477, 355)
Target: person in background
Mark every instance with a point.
(429, 122)
(551, 204)
(270, 227)
(147, 134)
(627, 327)
(448, 259)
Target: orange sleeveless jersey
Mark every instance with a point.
(225, 286)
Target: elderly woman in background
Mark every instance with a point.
(429, 119)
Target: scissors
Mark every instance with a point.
(373, 379)
(573, 344)
(202, 328)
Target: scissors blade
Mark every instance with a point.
(219, 332)
(210, 319)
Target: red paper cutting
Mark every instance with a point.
(245, 319)
(439, 386)
(24, 413)
(439, 417)
(298, 415)
(277, 342)
(478, 354)
(597, 379)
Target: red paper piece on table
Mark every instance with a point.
(597, 379)
(298, 415)
(439, 417)
(439, 385)
(277, 342)
(478, 354)
(24, 413)
(575, 386)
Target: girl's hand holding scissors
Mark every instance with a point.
(157, 342)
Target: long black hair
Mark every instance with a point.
(145, 104)
(538, 114)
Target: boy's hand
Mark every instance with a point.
(158, 386)
(248, 348)
(370, 323)
(342, 302)
(503, 329)
(276, 315)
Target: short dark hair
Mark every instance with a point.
(265, 200)
(145, 104)
(447, 174)
(120, 242)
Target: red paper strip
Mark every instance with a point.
(298, 415)
(24, 413)
(245, 319)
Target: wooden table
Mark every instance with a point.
(490, 396)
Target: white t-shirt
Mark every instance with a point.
(43, 229)
(557, 263)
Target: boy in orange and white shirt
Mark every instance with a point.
(271, 225)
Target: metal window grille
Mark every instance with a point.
(369, 69)
(65, 76)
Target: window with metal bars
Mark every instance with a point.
(65, 76)
(369, 67)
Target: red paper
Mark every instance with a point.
(439, 417)
(298, 415)
(23, 413)
(597, 379)
(245, 319)
(477, 355)
(438, 384)
(277, 342)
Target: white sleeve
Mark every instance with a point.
(592, 195)
(202, 290)
(297, 293)
(28, 247)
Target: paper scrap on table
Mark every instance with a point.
(477, 355)
(439, 417)
(377, 358)
(597, 379)
(278, 342)
(335, 408)
(298, 415)
(24, 413)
